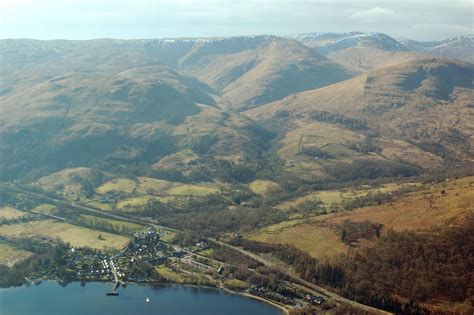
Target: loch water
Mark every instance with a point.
(51, 298)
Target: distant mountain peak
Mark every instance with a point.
(459, 47)
(330, 42)
(321, 35)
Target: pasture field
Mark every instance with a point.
(72, 192)
(319, 241)
(168, 199)
(45, 208)
(10, 255)
(443, 204)
(132, 195)
(168, 237)
(315, 135)
(75, 235)
(10, 213)
(236, 284)
(192, 190)
(133, 203)
(421, 209)
(206, 252)
(149, 186)
(262, 187)
(116, 225)
(182, 157)
(169, 274)
(100, 205)
(122, 185)
(59, 180)
(329, 197)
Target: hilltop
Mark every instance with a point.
(249, 71)
(458, 47)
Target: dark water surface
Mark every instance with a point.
(50, 298)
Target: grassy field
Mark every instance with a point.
(262, 187)
(170, 199)
(236, 284)
(318, 135)
(134, 203)
(182, 157)
(10, 255)
(206, 252)
(100, 205)
(329, 197)
(10, 213)
(75, 235)
(148, 186)
(168, 237)
(72, 192)
(420, 209)
(169, 274)
(122, 185)
(46, 208)
(319, 241)
(59, 180)
(137, 203)
(134, 194)
(119, 226)
(192, 190)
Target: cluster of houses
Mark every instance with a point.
(298, 299)
(112, 197)
(105, 264)
(120, 274)
(201, 245)
(89, 265)
(269, 294)
(146, 247)
(314, 299)
(188, 260)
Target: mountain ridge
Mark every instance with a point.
(409, 102)
(107, 90)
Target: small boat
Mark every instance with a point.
(147, 300)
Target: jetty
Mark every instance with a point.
(116, 279)
(114, 290)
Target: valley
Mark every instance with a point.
(280, 167)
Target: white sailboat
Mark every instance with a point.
(147, 300)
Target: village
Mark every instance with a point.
(84, 264)
(155, 255)
(149, 259)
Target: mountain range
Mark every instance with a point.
(307, 104)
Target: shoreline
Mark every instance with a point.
(281, 307)
(284, 310)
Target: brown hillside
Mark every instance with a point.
(251, 71)
(423, 104)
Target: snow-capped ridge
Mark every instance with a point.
(330, 42)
